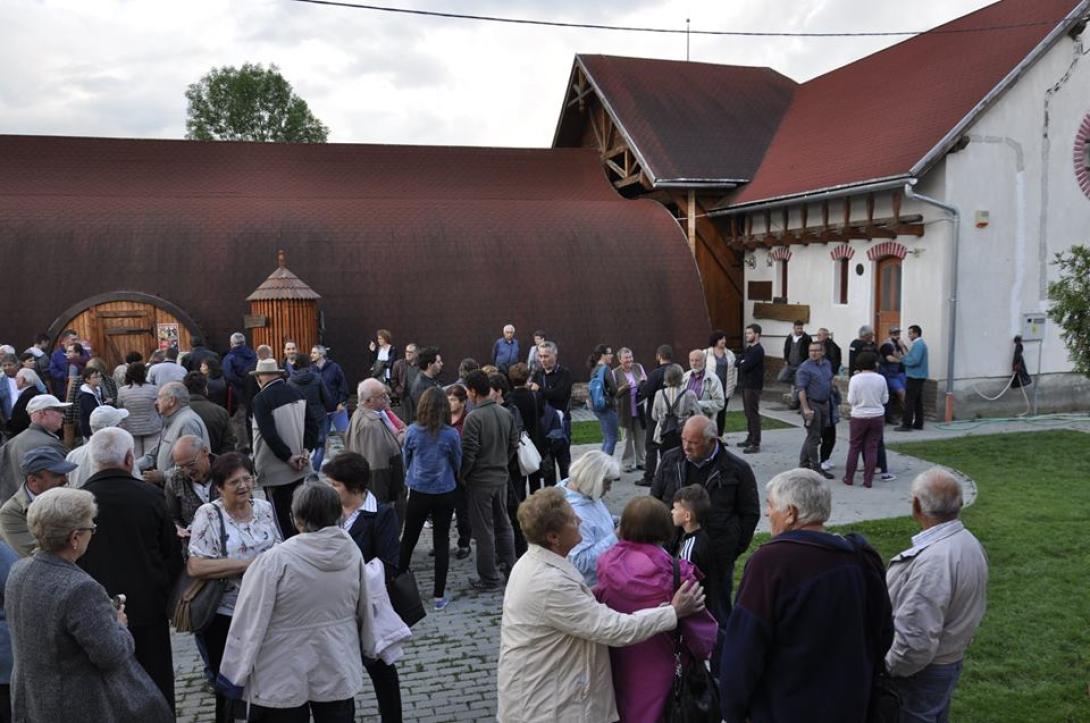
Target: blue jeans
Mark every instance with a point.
(609, 423)
(925, 696)
(336, 420)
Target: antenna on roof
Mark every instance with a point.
(686, 40)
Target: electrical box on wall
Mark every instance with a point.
(1033, 327)
(982, 219)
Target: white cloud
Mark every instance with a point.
(120, 67)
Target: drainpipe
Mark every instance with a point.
(955, 217)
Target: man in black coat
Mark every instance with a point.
(751, 380)
(554, 382)
(735, 510)
(655, 381)
(134, 551)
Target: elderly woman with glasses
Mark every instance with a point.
(74, 654)
(226, 536)
(592, 475)
(554, 636)
(295, 638)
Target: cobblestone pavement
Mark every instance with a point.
(448, 672)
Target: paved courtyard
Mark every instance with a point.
(448, 672)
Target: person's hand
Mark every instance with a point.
(298, 462)
(371, 346)
(688, 599)
(340, 407)
(122, 617)
(182, 532)
(154, 476)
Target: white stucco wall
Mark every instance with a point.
(1024, 178)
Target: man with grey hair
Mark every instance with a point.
(938, 589)
(101, 418)
(505, 350)
(134, 551)
(812, 616)
(706, 387)
(865, 342)
(29, 385)
(554, 381)
(190, 484)
(373, 435)
(179, 419)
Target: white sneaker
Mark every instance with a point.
(887, 477)
(827, 465)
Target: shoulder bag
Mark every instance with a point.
(694, 697)
(194, 600)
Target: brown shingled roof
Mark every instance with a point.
(440, 245)
(282, 284)
(695, 122)
(880, 116)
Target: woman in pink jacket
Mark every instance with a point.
(635, 574)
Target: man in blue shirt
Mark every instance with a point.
(814, 380)
(505, 351)
(916, 371)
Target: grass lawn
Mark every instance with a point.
(590, 432)
(1030, 660)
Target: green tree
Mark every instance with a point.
(249, 104)
(1070, 297)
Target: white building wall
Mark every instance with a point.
(1018, 168)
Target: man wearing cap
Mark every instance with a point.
(43, 469)
(179, 419)
(134, 551)
(103, 417)
(46, 418)
(280, 425)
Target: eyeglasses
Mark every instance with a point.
(90, 529)
(190, 464)
(241, 481)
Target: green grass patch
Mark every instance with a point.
(590, 432)
(1030, 660)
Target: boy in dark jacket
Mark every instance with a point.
(691, 507)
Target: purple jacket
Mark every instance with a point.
(634, 576)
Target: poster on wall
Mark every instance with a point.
(168, 335)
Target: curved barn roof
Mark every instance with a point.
(441, 245)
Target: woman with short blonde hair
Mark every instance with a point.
(592, 475)
(66, 633)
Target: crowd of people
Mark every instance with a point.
(131, 495)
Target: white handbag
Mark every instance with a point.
(529, 457)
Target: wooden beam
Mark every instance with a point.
(886, 228)
(870, 209)
(615, 150)
(628, 180)
(896, 200)
(616, 169)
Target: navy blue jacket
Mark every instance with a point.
(376, 534)
(751, 367)
(333, 376)
(811, 621)
(237, 365)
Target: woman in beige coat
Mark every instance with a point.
(294, 643)
(555, 636)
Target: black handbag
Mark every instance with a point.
(403, 592)
(405, 598)
(694, 697)
(194, 600)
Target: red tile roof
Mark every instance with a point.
(881, 115)
(693, 121)
(440, 245)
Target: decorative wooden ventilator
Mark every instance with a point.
(283, 307)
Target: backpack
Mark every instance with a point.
(669, 427)
(599, 400)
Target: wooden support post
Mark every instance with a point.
(692, 222)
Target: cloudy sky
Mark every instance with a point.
(121, 67)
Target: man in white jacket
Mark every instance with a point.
(704, 384)
(938, 589)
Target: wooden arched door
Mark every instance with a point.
(115, 324)
(887, 295)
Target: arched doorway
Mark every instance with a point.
(887, 295)
(116, 323)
